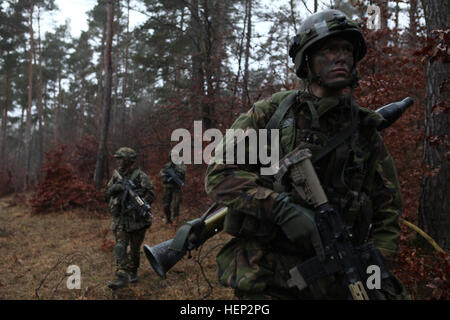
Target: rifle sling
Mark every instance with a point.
(335, 142)
(286, 104)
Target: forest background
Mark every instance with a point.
(68, 102)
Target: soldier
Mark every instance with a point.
(173, 176)
(128, 225)
(271, 236)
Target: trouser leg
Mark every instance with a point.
(167, 199)
(176, 200)
(120, 252)
(136, 239)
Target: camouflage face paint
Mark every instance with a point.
(332, 60)
(125, 163)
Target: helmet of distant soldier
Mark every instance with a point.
(125, 153)
(319, 26)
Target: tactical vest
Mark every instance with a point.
(345, 172)
(126, 217)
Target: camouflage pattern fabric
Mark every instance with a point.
(126, 217)
(359, 178)
(171, 201)
(128, 263)
(172, 192)
(128, 226)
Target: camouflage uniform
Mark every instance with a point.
(128, 226)
(172, 191)
(359, 178)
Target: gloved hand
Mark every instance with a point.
(297, 223)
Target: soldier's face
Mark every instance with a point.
(332, 60)
(124, 163)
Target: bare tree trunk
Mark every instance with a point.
(125, 77)
(5, 121)
(179, 66)
(30, 103)
(198, 75)
(80, 127)
(19, 158)
(209, 61)
(434, 205)
(246, 96)
(292, 5)
(397, 11)
(114, 105)
(102, 149)
(238, 73)
(219, 43)
(57, 131)
(39, 101)
(100, 88)
(384, 13)
(412, 35)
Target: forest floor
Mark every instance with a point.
(37, 249)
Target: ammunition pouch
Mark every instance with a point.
(114, 206)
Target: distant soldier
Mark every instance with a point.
(127, 192)
(173, 176)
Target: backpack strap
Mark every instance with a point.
(286, 104)
(334, 142)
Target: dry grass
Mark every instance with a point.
(36, 250)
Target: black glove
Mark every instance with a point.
(297, 223)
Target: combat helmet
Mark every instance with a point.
(319, 26)
(125, 153)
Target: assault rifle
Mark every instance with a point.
(173, 176)
(342, 258)
(349, 263)
(139, 204)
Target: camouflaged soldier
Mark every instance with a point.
(128, 225)
(172, 188)
(359, 177)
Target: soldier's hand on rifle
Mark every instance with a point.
(297, 223)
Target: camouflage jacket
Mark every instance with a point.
(359, 178)
(180, 170)
(124, 216)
